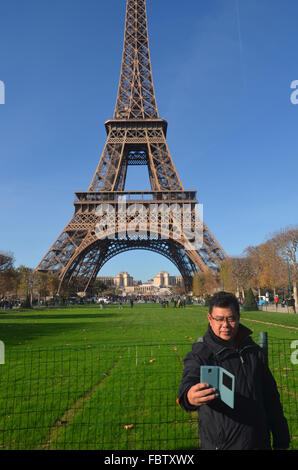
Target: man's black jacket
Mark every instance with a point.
(257, 408)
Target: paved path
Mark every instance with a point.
(272, 324)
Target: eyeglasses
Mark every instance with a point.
(232, 319)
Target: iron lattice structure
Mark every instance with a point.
(135, 136)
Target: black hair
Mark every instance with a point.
(225, 300)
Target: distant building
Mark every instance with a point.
(163, 279)
(159, 285)
(123, 280)
(107, 280)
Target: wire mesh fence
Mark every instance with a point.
(111, 397)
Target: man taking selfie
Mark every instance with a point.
(257, 409)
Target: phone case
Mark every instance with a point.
(222, 380)
(209, 375)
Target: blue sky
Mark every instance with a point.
(222, 72)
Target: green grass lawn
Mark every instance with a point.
(142, 323)
(83, 325)
(86, 378)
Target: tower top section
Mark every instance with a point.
(136, 97)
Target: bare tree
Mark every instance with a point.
(268, 269)
(242, 273)
(286, 243)
(7, 274)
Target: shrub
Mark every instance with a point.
(250, 302)
(27, 303)
(207, 300)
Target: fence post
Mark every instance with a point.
(263, 343)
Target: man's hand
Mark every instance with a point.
(201, 394)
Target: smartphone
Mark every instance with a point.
(222, 380)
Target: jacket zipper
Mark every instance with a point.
(243, 363)
(243, 369)
(240, 356)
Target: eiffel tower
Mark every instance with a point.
(135, 136)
